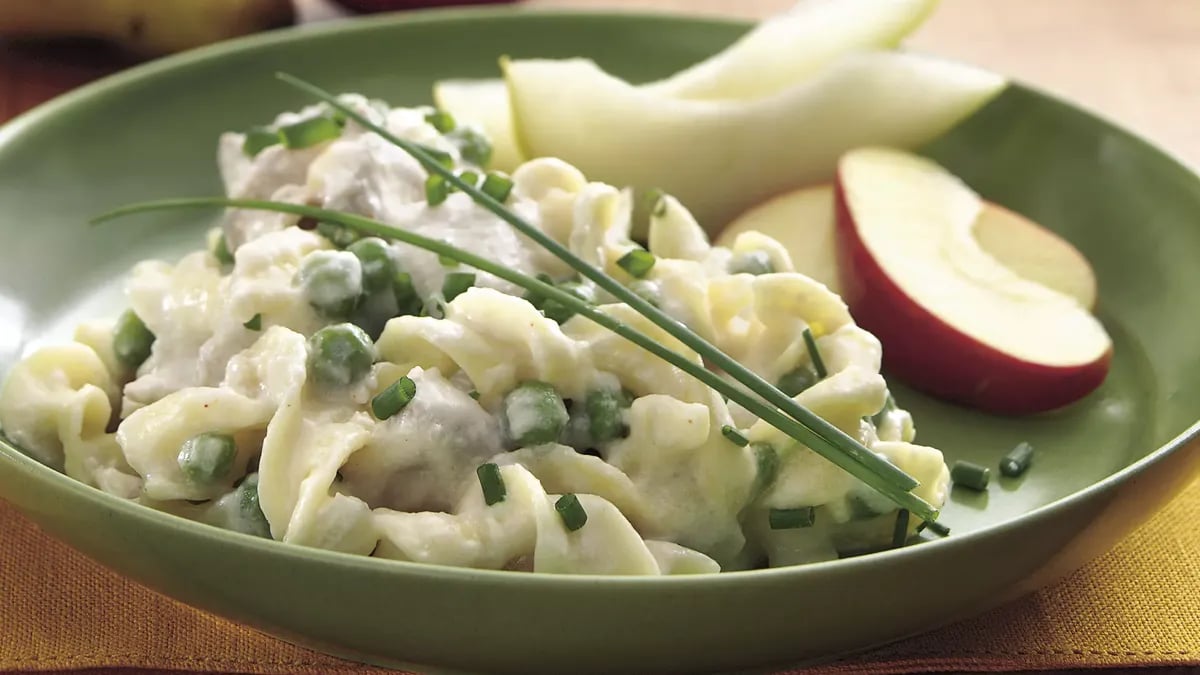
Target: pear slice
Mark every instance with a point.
(485, 103)
(803, 221)
(720, 157)
(791, 47)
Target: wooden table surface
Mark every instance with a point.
(1134, 61)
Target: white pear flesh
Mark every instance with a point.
(720, 157)
(804, 222)
(792, 46)
(485, 104)
(954, 322)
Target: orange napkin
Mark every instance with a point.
(1137, 606)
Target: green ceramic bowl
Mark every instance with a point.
(1103, 467)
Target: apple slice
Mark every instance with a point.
(720, 157)
(483, 102)
(955, 322)
(803, 221)
(790, 47)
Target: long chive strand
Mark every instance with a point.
(821, 430)
(771, 415)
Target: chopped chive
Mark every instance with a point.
(393, 399)
(900, 530)
(970, 475)
(491, 482)
(734, 436)
(259, 139)
(442, 121)
(436, 189)
(497, 187)
(310, 132)
(457, 283)
(221, 251)
(255, 322)
(474, 393)
(934, 527)
(571, 511)
(560, 313)
(440, 156)
(790, 519)
(814, 354)
(1017, 461)
(637, 262)
(469, 177)
(447, 261)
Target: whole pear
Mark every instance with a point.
(144, 27)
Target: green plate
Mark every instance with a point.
(1103, 466)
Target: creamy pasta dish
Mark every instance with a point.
(297, 381)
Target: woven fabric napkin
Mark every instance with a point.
(1137, 606)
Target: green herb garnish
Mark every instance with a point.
(394, 398)
(814, 354)
(457, 283)
(442, 121)
(437, 190)
(310, 132)
(571, 511)
(970, 475)
(734, 436)
(637, 262)
(1017, 461)
(491, 482)
(259, 139)
(496, 186)
(132, 340)
(790, 519)
(255, 322)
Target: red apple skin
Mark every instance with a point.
(372, 6)
(932, 356)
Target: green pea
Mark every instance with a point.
(751, 262)
(337, 235)
(332, 282)
(252, 520)
(207, 458)
(132, 340)
(604, 410)
(340, 354)
(798, 380)
(378, 265)
(534, 413)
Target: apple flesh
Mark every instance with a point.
(954, 322)
(803, 221)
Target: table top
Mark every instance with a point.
(1137, 63)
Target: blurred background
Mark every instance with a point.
(1135, 61)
